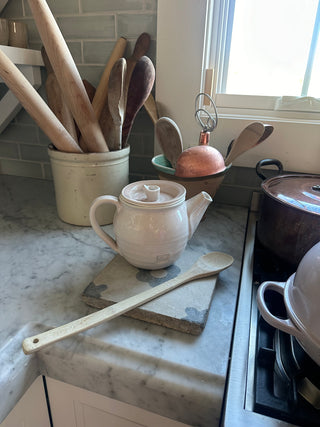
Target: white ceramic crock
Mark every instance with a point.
(80, 178)
(152, 223)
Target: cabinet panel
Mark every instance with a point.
(74, 407)
(31, 410)
(89, 416)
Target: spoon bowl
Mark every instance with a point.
(251, 136)
(169, 138)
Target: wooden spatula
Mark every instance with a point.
(141, 84)
(101, 94)
(112, 120)
(169, 138)
(55, 99)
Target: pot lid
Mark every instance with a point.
(302, 295)
(299, 191)
(153, 193)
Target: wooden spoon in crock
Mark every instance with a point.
(141, 84)
(113, 115)
(140, 49)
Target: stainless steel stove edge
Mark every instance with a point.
(238, 404)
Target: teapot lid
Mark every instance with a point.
(153, 193)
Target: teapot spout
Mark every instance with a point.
(196, 207)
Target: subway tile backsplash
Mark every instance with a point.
(88, 27)
(91, 28)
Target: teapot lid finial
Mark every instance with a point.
(152, 192)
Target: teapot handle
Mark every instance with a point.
(94, 223)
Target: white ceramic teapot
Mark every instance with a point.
(152, 223)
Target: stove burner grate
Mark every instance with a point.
(277, 394)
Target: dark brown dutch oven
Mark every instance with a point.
(289, 223)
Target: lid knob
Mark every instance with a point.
(152, 192)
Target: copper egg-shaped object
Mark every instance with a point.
(201, 160)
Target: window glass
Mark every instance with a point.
(269, 48)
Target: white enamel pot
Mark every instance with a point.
(301, 295)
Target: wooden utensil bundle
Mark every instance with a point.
(80, 118)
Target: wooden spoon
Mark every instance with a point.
(247, 139)
(111, 122)
(68, 76)
(100, 95)
(141, 84)
(140, 49)
(207, 265)
(55, 99)
(170, 139)
(268, 129)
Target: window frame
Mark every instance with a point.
(217, 44)
(182, 29)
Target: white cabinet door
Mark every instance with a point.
(31, 410)
(74, 407)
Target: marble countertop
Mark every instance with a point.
(45, 266)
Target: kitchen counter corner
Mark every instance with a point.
(46, 264)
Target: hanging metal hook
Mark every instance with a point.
(211, 121)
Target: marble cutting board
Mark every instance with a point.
(184, 309)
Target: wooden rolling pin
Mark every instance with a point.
(55, 99)
(68, 77)
(36, 106)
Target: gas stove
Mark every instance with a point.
(271, 380)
